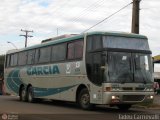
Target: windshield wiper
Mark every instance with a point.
(126, 74)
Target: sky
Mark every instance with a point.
(44, 17)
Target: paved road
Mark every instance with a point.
(47, 110)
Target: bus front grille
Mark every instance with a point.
(138, 88)
(133, 97)
(127, 88)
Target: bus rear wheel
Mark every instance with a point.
(23, 94)
(84, 100)
(30, 95)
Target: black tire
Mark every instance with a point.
(124, 107)
(84, 100)
(30, 95)
(22, 95)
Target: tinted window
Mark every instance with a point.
(37, 55)
(22, 58)
(94, 42)
(89, 43)
(143, 68)
(75, 50)
(70, 54)
(59, 52)
(8, 61)
(94, 71)
(44, 55)
(31, 55)
(14, 59)
(125, 43)
(78, 49)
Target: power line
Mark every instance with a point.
(86, 9)
(83, 12)
(64, 4)
(108, 17)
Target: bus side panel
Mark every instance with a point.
(10, 82)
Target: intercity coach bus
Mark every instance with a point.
(96, 68)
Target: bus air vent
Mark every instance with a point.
(139, 88)
(133, 97)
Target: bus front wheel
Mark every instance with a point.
(84, 100)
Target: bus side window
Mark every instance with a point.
(94, 71)
(14, 59)
(45, 54)
(75, 50)
(70, 54)
(37, 55)
(31, 56)
(61, 54)
(7, 61)
(89, 43)
(94, 42)
(22, 58)
(79, 49)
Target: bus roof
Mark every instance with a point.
(120, 34)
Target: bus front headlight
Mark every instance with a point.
(115, 97)
(151, 97)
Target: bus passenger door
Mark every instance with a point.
(95, 76)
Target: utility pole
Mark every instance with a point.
(26, 35)
(135, 16)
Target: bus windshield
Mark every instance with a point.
(143, 68)
(129, 67)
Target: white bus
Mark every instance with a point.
(96, 68)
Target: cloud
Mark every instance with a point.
(73, 16)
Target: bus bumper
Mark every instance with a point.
(127, 97)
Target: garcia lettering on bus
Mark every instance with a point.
(43, 70)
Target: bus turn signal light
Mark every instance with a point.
(108, 89)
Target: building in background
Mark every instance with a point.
(156, 64)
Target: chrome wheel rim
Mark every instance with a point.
(23, 95)
(85, 99)
(30, 97)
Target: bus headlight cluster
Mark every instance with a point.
(115, 97)
(150, 97)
